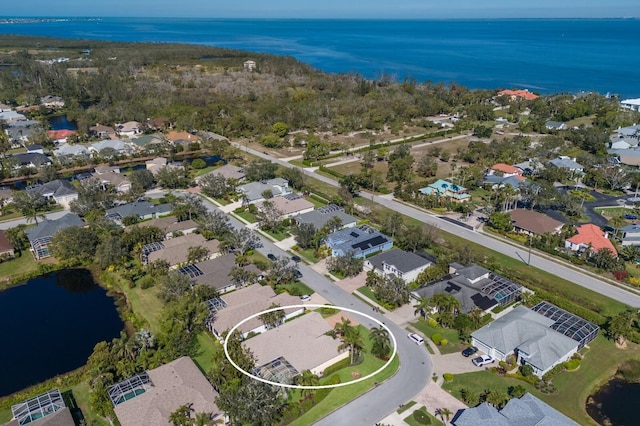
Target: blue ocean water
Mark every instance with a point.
(544, 55)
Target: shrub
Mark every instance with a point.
(444, 342)
(432, 322)
(421, 417)
(436, 338)
(629, 371)
(572, 364)
(146, 282)
(526, 370)
(502, 364)
(336, 367)
(448, 377)
(621, 275)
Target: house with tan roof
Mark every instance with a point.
(118, 181)
(504, 170)
(101, 131)
(301, 344)
(518, 94)
(289, 205)
(149, 398)
(531, 222)
(590, 237)
(181, 137)
(175, 251)
(228, 171)
(236, 306)
(128, 129)
(170, 225)
(217, 272)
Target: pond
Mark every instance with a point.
(614, 403)
(50, 326)
(60, 122)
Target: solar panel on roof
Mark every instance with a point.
(354, 234)
(373, 242)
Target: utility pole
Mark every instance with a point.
(529, 260)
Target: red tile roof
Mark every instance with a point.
(519, 94)
(61, 134)
(592, 235)
(505, 168)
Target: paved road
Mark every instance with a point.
(13, 223)
(415, 364)
(558, 269)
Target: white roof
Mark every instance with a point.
(635, 101)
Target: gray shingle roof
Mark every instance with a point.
(253, 190)
(31, 158)
(319, 217)
(566, 163)
(402, 260)
(55, 188)
(140, 209)
(48, 228)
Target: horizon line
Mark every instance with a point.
(594, 18)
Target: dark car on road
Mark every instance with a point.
(297, 273)
(296, 258)
(272, 257)
(471, 350)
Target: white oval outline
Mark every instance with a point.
(284, 385)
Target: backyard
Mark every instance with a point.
(450, 335)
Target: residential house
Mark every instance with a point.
(504, 170)
(530, 167)
(322, 215)
(6, 195)
(564, 162)
(6, 248)
(35, 148)
(118, 181)
(128, 129)
(630, 157)
(147, 141)
(361, 241)
(253, 192)
(102, 131)
(631, 235)
(68, 152)
(50, 101)
(182, 137)
(141, 209)
(175, 251)
(150, 397)
(11, 116)
(19, 135)
(231, 308)
(622, 142)
(473, 286)
(156, 164)
(105, 168)
(398, 263)
(289, 205)
(59, 190)
(555, 125)
(632, 104)
(46, 409)
(443, 188)
(61, 136)
(170, 226)
(217, 272)
(541, 337)
(120, 147)
(518, 94)
(523, 411)
(40, 236)
(531, 222)
(629, 131)
(299, 345)
(27, 159)
(499, 182)
(249, 65)
(5, 107)
(590, 237)
(158, 123)
(228, 171)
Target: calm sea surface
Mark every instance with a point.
(546, 56)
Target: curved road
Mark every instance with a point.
(556, 268)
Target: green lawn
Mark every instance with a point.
(600, 363)
(310, 255)
(278, 235)
(81, 394)
(297, 288)
(18, 266)
(317, 201)
(207, 347)
(453, 345)
(410, 420)
(251, 218)
(340, 396)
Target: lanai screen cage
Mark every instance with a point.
(279, 370)
(129, 388)
(38, 407)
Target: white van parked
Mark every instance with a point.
(416, 339)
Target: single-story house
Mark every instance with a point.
(105, 168)
(228, 171)
(361, 241)
(59, 190)
(289, 205)
(633, 104)
(217, 272)
(630, 131)
(61, 136)
(631, 235)
(504, 170)
(101, 131)
(531, 222)
(6, 248)
(498, 182)
(156, 164)
(18, 136)
(564, 162)
(46, 409)
(630, 157)
(398, 263)
(473, 286)
(51, 101)
(233, 307)
(35, 148)
(520, 93)
(526, 410)
(6, 195)
(443, 188)
(40, 235)
(170, 225)
(320, 216)
(182, 137)
(623, 142)
(252, 192)
(555, 125)
(117, 145)
(158, 123)
(149, 398)
(128, 129)
(175, 251)
(590, 237)
(66, 150)
(140, 209)
(10, 116)
(5, 107)
(301, 344)
(530, 166)
(542, 337)
(118, 181)
(30, 160)
(145, 141)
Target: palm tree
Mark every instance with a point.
(351, 338)
(445, 412)
(476, 316)
(202, 419)
(424, 306)
(381, 343)
(307, 378)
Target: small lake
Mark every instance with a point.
(615, 403)
(50, 326)
(60, 122)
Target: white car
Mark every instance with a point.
(483, 360)
(305, 297)
(416, 339)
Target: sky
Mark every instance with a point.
(417, 9)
